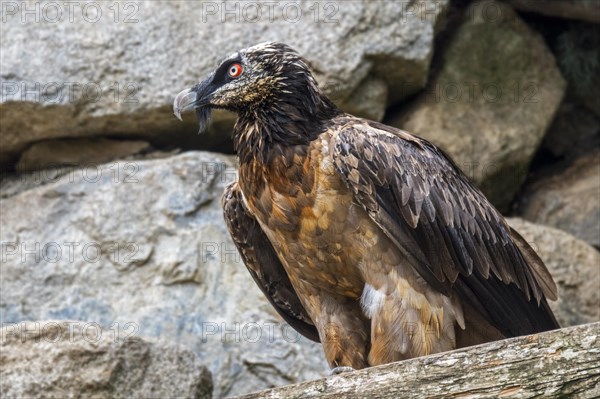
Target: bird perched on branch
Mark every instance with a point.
(362, 236)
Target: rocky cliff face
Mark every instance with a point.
(111, 218)
(112, 70)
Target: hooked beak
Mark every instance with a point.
(184, 101)
(198, 98)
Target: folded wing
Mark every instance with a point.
(263, 264)
(444, 226)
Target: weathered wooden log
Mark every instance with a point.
(563, 363)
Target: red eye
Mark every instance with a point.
(235, 70)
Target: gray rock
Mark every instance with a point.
(79, 152)
(492, 100)
(367, 100)
(116, 67)
(568, 200)
(144, 242)
(575, 266)
(578, 54)
(573, 132)
(74, 359)
(586, 10)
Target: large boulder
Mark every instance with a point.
(117, 66)
(144, 243)
(575, 266)
(73, 359)
(568, 200)
(491, 101)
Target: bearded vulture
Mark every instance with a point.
(362, 236)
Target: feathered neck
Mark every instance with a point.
(294, 119)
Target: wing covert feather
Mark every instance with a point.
(446, 228)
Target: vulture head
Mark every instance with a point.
(269, 82)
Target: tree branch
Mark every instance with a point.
(556, 364)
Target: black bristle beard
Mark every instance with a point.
(203, 114)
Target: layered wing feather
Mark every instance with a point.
(263, 264)
(445, 227)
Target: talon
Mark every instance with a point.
(340, 369)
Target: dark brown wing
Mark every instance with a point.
(443, 224)
(263, 264)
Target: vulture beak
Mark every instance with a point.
(198, 98)
(184, 101)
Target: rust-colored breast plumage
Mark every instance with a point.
(302, 206)
(263, 263)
